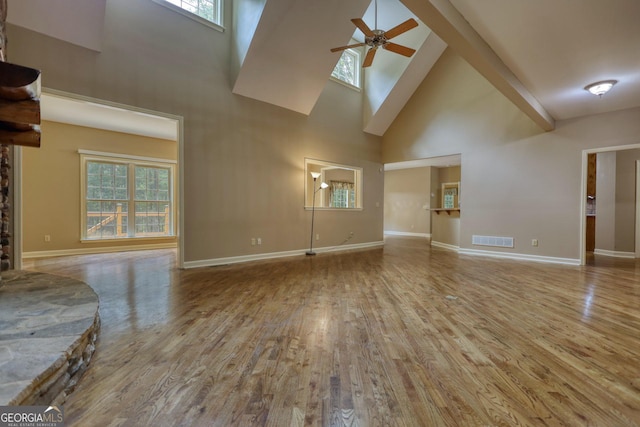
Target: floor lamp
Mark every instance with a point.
(323, 185)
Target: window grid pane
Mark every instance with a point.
(339, 198)
(348, 68)
(106, 213)
(108, 199)
(107, 219)
(153, 207)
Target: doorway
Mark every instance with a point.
(613, 204)
(101, 124)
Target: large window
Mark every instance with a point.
(205, 11)
(126, 198)
(347, 69)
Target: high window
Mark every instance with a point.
(347, 70)
(126, 198)
(205, 11)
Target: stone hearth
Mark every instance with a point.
(48, 328)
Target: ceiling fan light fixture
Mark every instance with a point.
(600, 88)
(378, 38)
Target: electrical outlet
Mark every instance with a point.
(259, 240)
(534, 242)
(47, 238)
(253, 241)
(318, 236)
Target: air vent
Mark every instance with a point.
(502, 242)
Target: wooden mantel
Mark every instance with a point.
(19, 105)
(19, 97)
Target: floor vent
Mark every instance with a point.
(502, 242)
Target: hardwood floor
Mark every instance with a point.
(407, 335)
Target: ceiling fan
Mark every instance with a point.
(377, 38)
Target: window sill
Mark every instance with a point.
(320, 208)
(128, 239)
(343, 83)
(190, 15)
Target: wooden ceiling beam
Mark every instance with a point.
(445, 21)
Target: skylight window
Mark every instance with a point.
(347, 69)
(205, 11)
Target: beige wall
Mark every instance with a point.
(406, 201)
(615, 200)
(51, 183)
(243, 159)
(517, 181)
(445, 229)
(606, 201)
(626, 200)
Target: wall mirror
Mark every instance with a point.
(344, 185)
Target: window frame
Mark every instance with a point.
(219, 26)
(131, 162)
(357, 69)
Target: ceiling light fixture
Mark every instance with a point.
(600, 88)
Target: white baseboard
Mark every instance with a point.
(98, 250)
(445, 246)
(406, 233)
(615, 254)
(273, 255)
(520, 257)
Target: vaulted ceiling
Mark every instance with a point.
(540, 54)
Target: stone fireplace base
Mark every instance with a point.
(48, 329)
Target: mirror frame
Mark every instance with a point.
(323, 166)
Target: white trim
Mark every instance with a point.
(637, 247)
(520, 257)
(630, 145)
(445, 246)
(199, 19)
(179, 120)
(101, 250)
(345, 84)
(358, 183)
(273, 255)
(180, 213)
(582, 200)
(406, 233)
(126, 156)
(615, 254)
(131, 163)
(17, 208)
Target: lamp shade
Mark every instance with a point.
(315, 175)
(324, 185)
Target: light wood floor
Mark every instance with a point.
(406, 335)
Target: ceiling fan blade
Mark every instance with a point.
(336, 49)
(362, 27)
(402, 50)
(399, 29)
(368, 60)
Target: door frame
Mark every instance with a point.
(17, 173)
(583, 197)
(637, 208)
